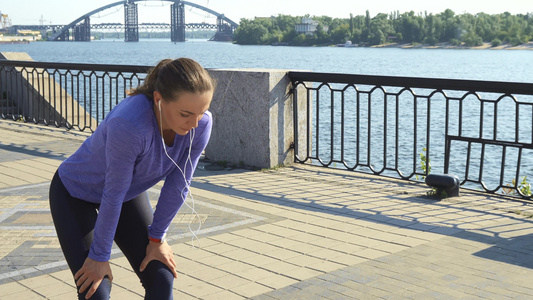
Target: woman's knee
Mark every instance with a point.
(103, 291)
(157, 280)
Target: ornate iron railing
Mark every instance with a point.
(65, 95)
(409, 127)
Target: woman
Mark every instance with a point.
(99, 193)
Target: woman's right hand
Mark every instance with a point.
(91, 275)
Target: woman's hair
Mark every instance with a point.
(172, 77)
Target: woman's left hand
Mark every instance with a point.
(161, 252)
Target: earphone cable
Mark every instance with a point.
(194, 213)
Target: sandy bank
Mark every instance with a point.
(527, 46)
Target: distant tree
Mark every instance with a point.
(341, 34)
(376, 37)
(321, 35)
(274, 36)
(299, 40)
(286, 23)
(380, 29)
(411, 27)
(432, 28)
(351, 25)
(250, 33)
(451, 28)
(359, 25)
(289, 36)
(366, 28)
(471, 39)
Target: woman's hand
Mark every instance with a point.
(91, 275)
(161, 252)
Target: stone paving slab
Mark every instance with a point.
(299, 232)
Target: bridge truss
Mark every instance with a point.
(81, 27)
(114, 26)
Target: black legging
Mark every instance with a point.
(74, 220)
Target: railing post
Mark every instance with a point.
(447, 147)
(253, 118)
(295, 144)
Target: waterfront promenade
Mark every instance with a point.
(299, 232)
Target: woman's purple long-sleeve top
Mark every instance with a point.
(123, 158)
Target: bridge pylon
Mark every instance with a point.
(131, 22)
(224, 30)
(64, 36)
(177, 22)
(82, 31)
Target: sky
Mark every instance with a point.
(34, 12)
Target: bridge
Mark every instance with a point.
(80, 28)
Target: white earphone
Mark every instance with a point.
(187, 184)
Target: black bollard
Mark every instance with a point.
(444, 183)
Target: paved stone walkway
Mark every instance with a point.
(299, 232)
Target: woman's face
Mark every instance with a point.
(183, 114)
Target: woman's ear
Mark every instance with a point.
(157, 98)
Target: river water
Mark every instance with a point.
(494, 65)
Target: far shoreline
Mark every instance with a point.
(485, 46)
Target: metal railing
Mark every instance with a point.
(65, 95)
(404, 127)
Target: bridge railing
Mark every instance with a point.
(406, 128)
(75, 96)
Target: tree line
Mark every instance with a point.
(407, 28)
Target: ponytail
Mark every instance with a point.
(172, 77)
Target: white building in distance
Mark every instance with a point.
(308, 26)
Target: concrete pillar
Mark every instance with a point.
(253, 118)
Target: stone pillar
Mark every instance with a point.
(253, 118)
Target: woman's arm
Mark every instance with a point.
(122, 146)
(176, 186)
